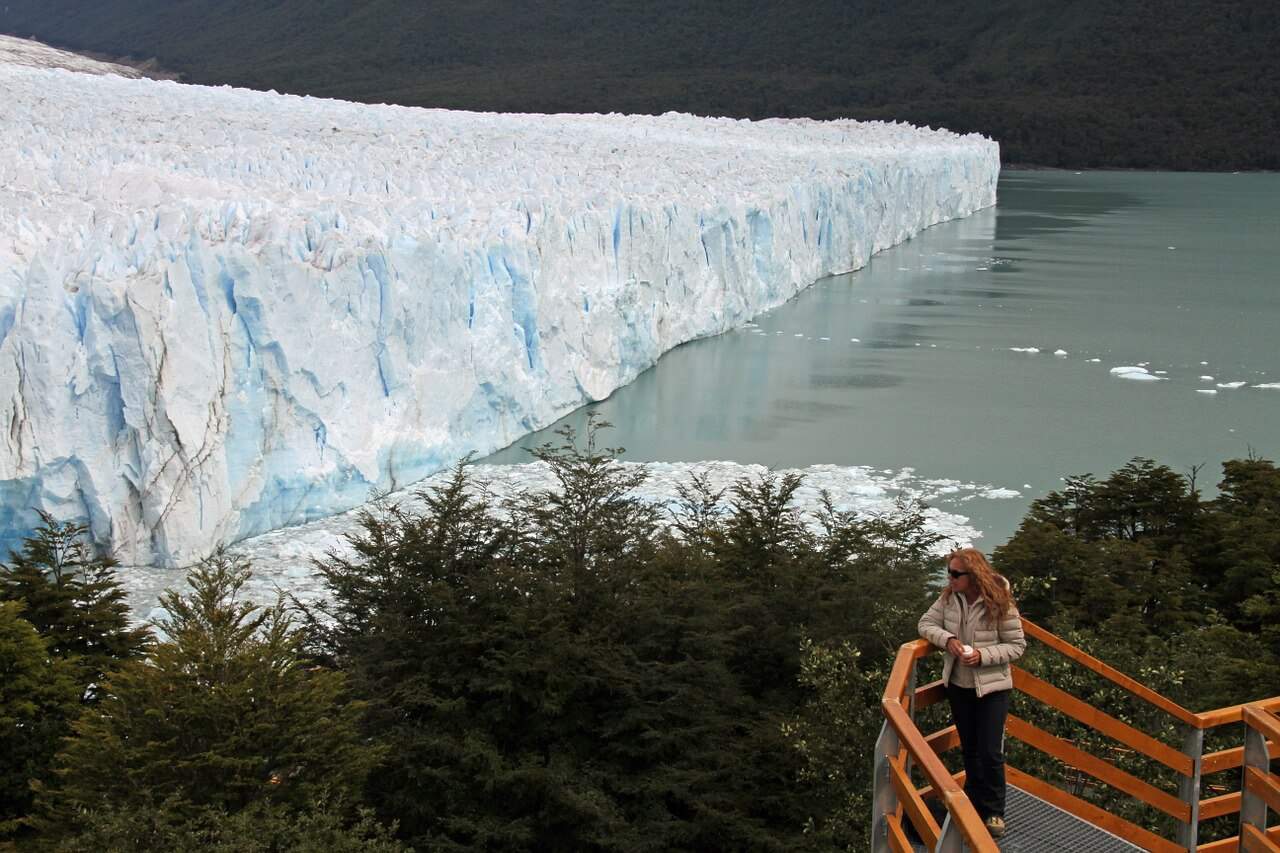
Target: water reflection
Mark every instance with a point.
(924, 357)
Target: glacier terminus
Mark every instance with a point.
(223, 312)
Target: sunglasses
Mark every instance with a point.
(955, 574)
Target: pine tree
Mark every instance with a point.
(38, 698)
(224, 714)
(73, 599)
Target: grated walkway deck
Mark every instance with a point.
(1038, 827)
(1035, 826)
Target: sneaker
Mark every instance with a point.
(995, 826)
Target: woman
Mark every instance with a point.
(976, 623)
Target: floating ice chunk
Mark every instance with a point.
(824, 339)
(1160, 372)
(855, 340)
(1206, 390)
(1206, 378)
(1001, 494)
(1232, 384)
(1272, 385)
(1061, 353)
(1024, 349)
(1135, 372)
(282, 558)
(1204, 362)
(1095, 360)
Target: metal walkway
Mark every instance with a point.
(1035, 826)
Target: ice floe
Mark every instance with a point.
(282, 559)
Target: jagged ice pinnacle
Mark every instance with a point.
(223, 311)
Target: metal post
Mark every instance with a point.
(949, 839)
(1189, 788)
(883, 799)
(1253, 809)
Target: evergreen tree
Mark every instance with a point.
(38, 697)
(224, 714)
(259, 828)
(1110, 553)
(73, 599)
(835, 733)
(1239, 552)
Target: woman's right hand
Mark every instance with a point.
(955, 647)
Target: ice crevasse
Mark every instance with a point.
(224, 311)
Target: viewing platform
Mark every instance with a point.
(1056, 807)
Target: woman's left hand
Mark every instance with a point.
(974, 658)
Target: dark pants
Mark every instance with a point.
(980, 722)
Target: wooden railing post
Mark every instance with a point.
(1253, 809)
(911, 707)
(883, 800)
(1189, 788)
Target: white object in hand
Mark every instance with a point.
(967, 649)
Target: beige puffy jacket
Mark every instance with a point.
(997, 645)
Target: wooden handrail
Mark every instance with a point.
(943, 740)
(962, 811)
(898, 840)
(1103, 771)
(1255, 717)
(1234, 713)
(1230, 759)
(903, 662)
(1232, 844)
(1110, 673)
(914, 807)
(925, 751)
(1254, 840)
(931, 694)
(966, 816)
(1224, 804)
(1264, 785)
(1099, 721)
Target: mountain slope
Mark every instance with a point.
(1150, 83)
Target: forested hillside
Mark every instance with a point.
(1089, 83)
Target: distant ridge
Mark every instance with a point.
(1091, 83)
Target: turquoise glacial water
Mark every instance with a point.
(915, 361)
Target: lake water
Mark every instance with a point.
(913, 361)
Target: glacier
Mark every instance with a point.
(223, 311)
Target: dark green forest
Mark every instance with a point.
(576, 670)
(1181, 85)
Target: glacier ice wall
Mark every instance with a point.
(224, 311)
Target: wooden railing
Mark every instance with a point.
(903, 746)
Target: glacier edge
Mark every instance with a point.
(223, 312)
